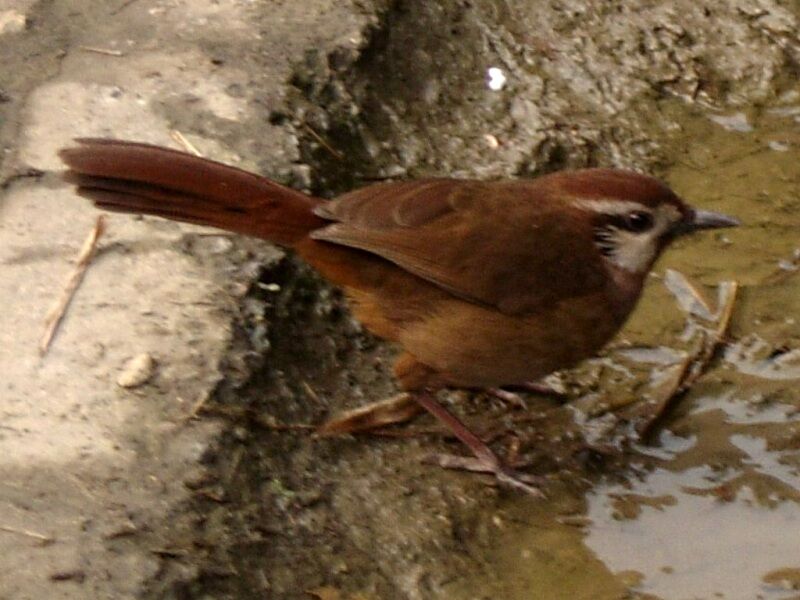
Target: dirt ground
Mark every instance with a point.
(194, 482)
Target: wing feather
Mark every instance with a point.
(494, 243)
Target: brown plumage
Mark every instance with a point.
(481, 283)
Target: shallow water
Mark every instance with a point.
(712, 509)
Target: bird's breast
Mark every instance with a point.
(476, 346)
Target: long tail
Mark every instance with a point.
(140, 178)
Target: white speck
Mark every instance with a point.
(495, 79)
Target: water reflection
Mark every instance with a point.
(741, 411)
(706, 531)
(753, 356)
(697, 546)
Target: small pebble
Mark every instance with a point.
(136, 371)
(491, 141)
(11, 21)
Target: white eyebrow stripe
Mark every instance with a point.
(609, 207)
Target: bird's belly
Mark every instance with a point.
(474, 346)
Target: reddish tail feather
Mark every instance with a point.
(140, 178)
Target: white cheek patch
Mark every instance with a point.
(635, 252)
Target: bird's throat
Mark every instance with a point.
(624, 289)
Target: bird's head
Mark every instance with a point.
(634, 217)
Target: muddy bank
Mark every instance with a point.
(646, 87)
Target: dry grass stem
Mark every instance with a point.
(323, 143)
(45, 539)
(56, 314)
(105, 51)
(183, 142)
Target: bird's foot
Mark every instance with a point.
(505, 475)
(485, 459)
(538, 387)
(513, 399)
(510, 396)
(403, 407)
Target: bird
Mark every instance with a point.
(481, 284)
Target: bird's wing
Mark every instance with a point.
(501, 244)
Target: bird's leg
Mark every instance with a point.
(485, 458)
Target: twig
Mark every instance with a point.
(187, 145)
(105, 51)
(45, 539)
(691, 368)
(322, 142)
(56, 314)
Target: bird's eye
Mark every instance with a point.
(638, 221)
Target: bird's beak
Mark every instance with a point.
(705, 219)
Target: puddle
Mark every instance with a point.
(707, 531)
(712, 510)
(694, 545)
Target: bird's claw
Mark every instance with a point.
(505, 475)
